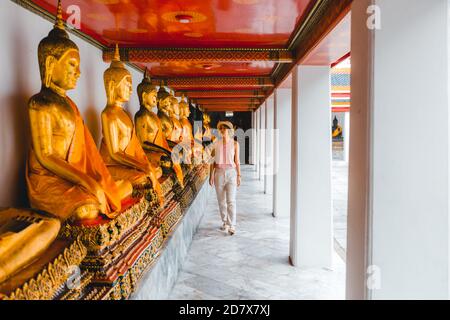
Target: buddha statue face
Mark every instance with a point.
(118, 83)
(65, 72)
(165, 105)
(148, 93)
(149, 99)
(124, 89)
(184, 109)
(175, 107)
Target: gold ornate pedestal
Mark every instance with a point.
(111, 256)
(47, 277)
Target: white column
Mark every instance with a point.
(262, 140)
(311, 213)
(346, 135)
(252, 126)
(275, 154)
(282, 153)
(268, 146)
(258, 133)
(398, 214)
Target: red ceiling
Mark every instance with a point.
(235, 24)
(217, 23)
(333, 47)
(190, 69)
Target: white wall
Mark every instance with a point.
(398, 217)
(20, 79)
(283, 170)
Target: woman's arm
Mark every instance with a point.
(212, 167)
(237, 162)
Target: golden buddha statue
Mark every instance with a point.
(187, 132)
(24, 236)
(150, 131)
(120, 148)
(66, 175)
(174, 112)
(164, 100)
(208, 137)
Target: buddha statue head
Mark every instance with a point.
(59, 58)
(185, 112)
(147, 92)
(117, 79)
(164, 101)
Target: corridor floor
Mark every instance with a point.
(252, 264)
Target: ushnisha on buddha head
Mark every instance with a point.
(59, 58)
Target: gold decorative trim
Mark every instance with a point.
(46, 284)
(98, 237)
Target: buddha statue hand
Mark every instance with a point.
(99, 193)
(92, 210)
(87, 212)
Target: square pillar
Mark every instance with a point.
(258, 133)
(262, 141)
(398, 208)
(268, 146)
(282, 152)
(311, 206)
(253, 141)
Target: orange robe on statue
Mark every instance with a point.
(118, 170)
(60, 197)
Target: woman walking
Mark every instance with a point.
(225, 174)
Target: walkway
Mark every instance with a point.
(252, 264)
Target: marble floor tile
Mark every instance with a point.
(253, 264)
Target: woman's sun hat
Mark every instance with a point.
(226, 124)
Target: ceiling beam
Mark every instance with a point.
(215, 83)
(199, 55)
(228, 101)
(228, 108)
(222, 94)
(320, 20)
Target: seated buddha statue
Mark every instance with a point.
(150, 131)
(208, 138)
(336, 130)
(187, 132)
(120, 147)
(65, 173)
(24, 237)
(174, 112)
(164, 101)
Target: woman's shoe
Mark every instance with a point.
(224, 227)
(231, 231)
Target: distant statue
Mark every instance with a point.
(336, 129)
